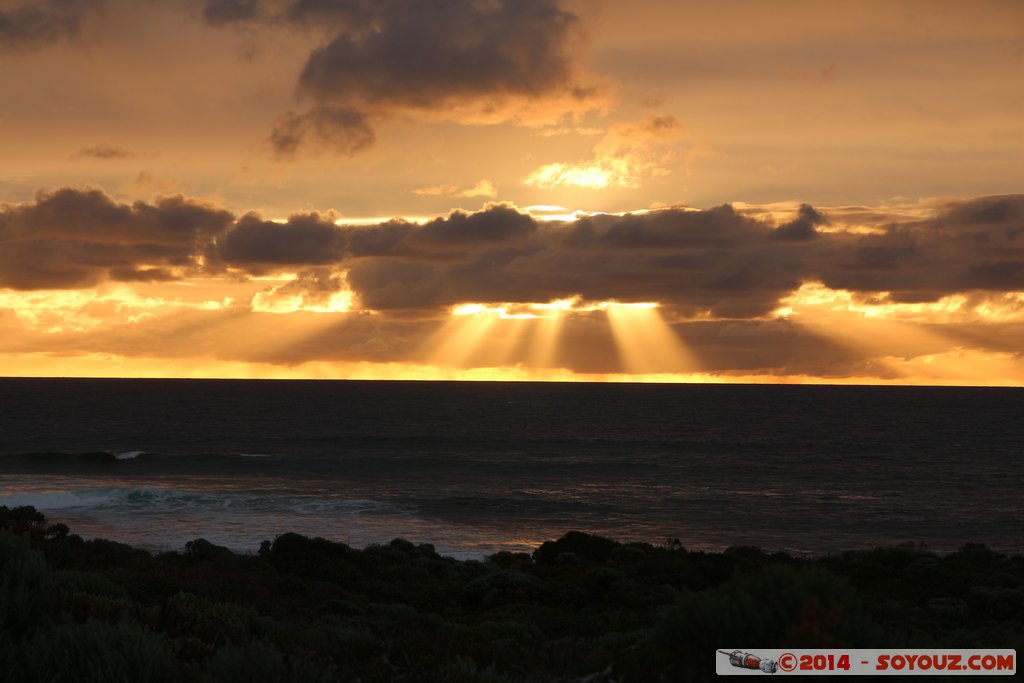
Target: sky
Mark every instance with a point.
(565, 190)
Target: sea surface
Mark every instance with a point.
(474, 468)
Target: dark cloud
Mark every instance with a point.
(716, 228)
(304, 240)
(141, 275)
(229, 11)
(92, 216)
(73, 238)
(803, 226)
(103, 152)
(382, 239)
(498, 225)
(714, 262)
(967, 245)
(453, 59)
(36, 22)
(325, 128)
(313, 239)
(717, 261)
(425, 53)
(1007, 211)
(357, 15)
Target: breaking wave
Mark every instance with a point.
(127, 455)
(144, 500)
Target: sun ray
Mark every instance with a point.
(645, 341)
(514, 338)
(456, 342)
(887, 334)
(544, 343)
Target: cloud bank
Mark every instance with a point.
(75, 238)
(719, 262)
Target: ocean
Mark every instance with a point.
(474, 468)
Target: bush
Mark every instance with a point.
(96, 651)
(582, 608)
(782, 606)
(23, 586)
(258, 661)
(584, 547)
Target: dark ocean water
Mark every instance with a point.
(478, 467)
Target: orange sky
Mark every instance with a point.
(486, 189)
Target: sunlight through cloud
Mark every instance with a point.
(529, 334)
(646, 343)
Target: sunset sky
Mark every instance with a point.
(513, 189)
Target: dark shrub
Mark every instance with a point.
(201, 550)
(587, 548)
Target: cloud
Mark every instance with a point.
(146, 183)
(341, 130)
(426, 54)
(469, 61)
(318, 290)
(103, 152)
(768, 291)
(499, 225)
(141, 275)
(73, 238)
(482, 188)
(230, 11)
(626, 156)
(802, 227)
(304, 240)
(38, 22)
(965, 245)
(260, 246)
(713, 263)
(693, 259)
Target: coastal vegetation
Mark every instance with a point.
(581, 608)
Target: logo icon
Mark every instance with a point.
(744, 660)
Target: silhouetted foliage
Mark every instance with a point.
(574, 548)
(23, 520)
(580, 608)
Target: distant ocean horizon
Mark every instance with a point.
(477, 467)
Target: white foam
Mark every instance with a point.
(128, 455)
(159, 499)
(60, 500)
